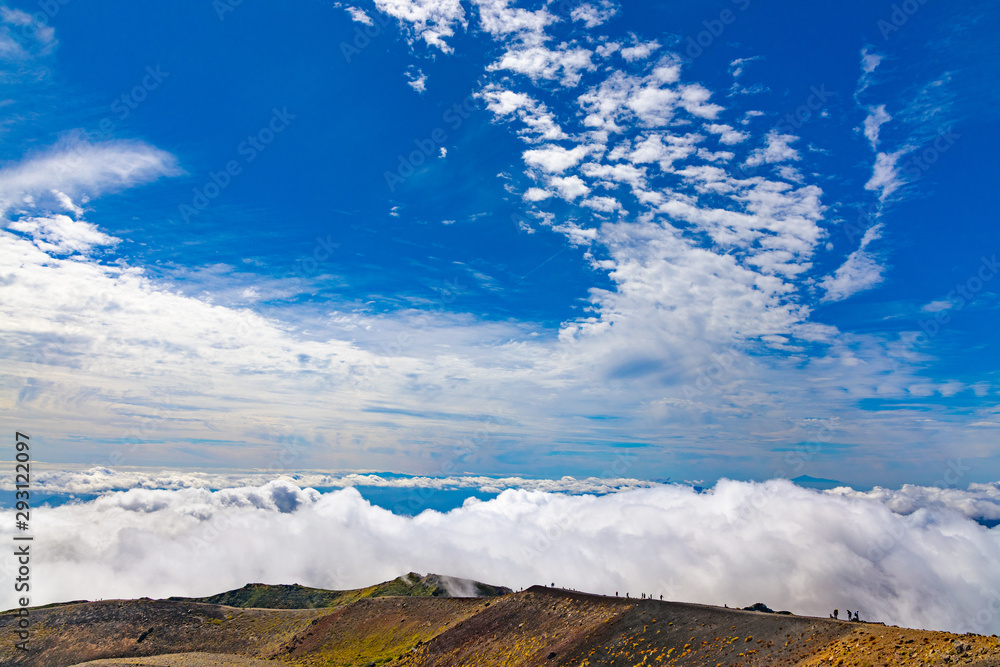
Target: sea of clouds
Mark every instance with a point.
(917, 556)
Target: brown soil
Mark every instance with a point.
(74, 633)
(377, 630)
(181, 660)
(536, 628)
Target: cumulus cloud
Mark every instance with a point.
(416, 79)
(430, 20)
(727, 135)
(593, 15)
(639, 51)
(565, 64)
(739, 543)
(101, 479)
(569, 187)
(61, 234)
(777, 149)
(538, 123)
(977, 502)
(556, 159)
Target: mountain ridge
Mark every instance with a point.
(539, 626)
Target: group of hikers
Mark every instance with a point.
(836, 614)
(644, 596)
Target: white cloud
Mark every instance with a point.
(860, 272)
(694, 99)
(539, 123)
(869, 62)
(416, 79)
(23, 36)
(653, 149)
(737, 66)
(612, 174)
(717, 156)
(52, 479)
(593, 15)
(607, 49)
(621, 97)
(431, 20)
(602, 204)
(556, 159)
(886, 178)
(978, 501)
(359, 15)
(501, 20)
(727, 135)
(61, 234)
(876, 118)
(536, 194)
(938, 306)
(778, 149)
(564, 63)
(797, 549)
(709, 261)
(640, 51)
(569, 187)
(79, 169)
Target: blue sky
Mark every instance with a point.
(681, 240)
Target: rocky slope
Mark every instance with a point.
(537, 627)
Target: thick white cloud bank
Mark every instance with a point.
(97, 480)
(792, 548)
